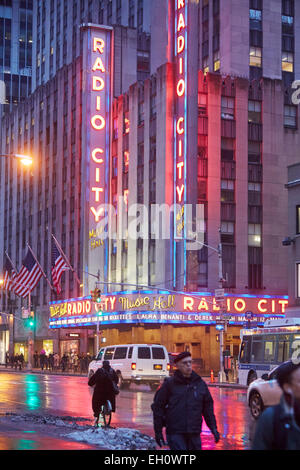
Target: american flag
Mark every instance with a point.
(10, 275)
(29, 275)
(58, 266)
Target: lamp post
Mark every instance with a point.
(222, 375)
(26, 160)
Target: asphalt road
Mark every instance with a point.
(70, 396)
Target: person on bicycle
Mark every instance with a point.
(103, 380)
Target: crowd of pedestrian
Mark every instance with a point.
(53, 362)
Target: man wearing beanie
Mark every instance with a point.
(278, 428)
(180, 404)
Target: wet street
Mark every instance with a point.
(70, 396)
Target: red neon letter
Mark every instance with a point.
(180, 4)
(98, 45)
(180, 192)
(260, 308)
(180, 166)
(98, 83)
(180, 44)
(97, 191)
(97, 160)
(237, 302)
(181, 87)
(283, 303)
(97, 213)
(98, 127)
(181, 23)
(188, 303)
(98, 65)
(180, 130)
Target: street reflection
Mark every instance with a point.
(71, 396)
(32, 389)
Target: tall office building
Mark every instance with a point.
(15, 50)
(212, 125)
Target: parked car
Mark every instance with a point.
(263, 392)
(135, 363)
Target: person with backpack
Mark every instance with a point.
(179, 405)
(278, 428)
(105, 382)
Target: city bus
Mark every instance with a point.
(262, 349)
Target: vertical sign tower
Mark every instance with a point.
(180, 138)
(97, 74)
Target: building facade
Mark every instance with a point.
(185, 134)
(16, 51)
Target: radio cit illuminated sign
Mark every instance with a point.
(162, 302)
(180, 130)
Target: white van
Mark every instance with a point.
(135, 363)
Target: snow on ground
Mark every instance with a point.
(115, 439)
(106, 438)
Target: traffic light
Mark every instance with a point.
(96, 295)
(30, 321)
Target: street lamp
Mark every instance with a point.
(26, 160)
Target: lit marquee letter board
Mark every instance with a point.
(97, 64)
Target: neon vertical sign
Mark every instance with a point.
(97, 73)
(181, 117)
(180, 126)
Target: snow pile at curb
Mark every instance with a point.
(115, 439)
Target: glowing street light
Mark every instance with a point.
(26, 160)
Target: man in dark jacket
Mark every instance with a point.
(180, 404)
(104, 389)
(278, 428)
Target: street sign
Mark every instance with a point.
(25, 312)
(219, 294)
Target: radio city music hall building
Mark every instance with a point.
(183, 136)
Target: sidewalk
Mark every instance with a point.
(78, 374)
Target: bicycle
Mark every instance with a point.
(105, 414)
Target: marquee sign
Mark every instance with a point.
(162, 308)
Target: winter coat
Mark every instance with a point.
(102, 379)
(181, 403)
(277, 429)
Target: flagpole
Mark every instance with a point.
(40, 267)
(66, 259)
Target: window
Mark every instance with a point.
(290, 116)
(120, 353)
(227, 228)
(245, 350)
(254, 235)
(227, 108)
(255, 15)
(254, 152)
(202, 104)
(99, 358)
(130, 352)
(158, 353)
(217, 63)
(257, 350)
(227, 191)
(255, 57)
(205, 65)
(269, 351)
(227, 149)
(287, 61)
(283, 349)
(109, 354)
(144, 353)
(254, 111)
